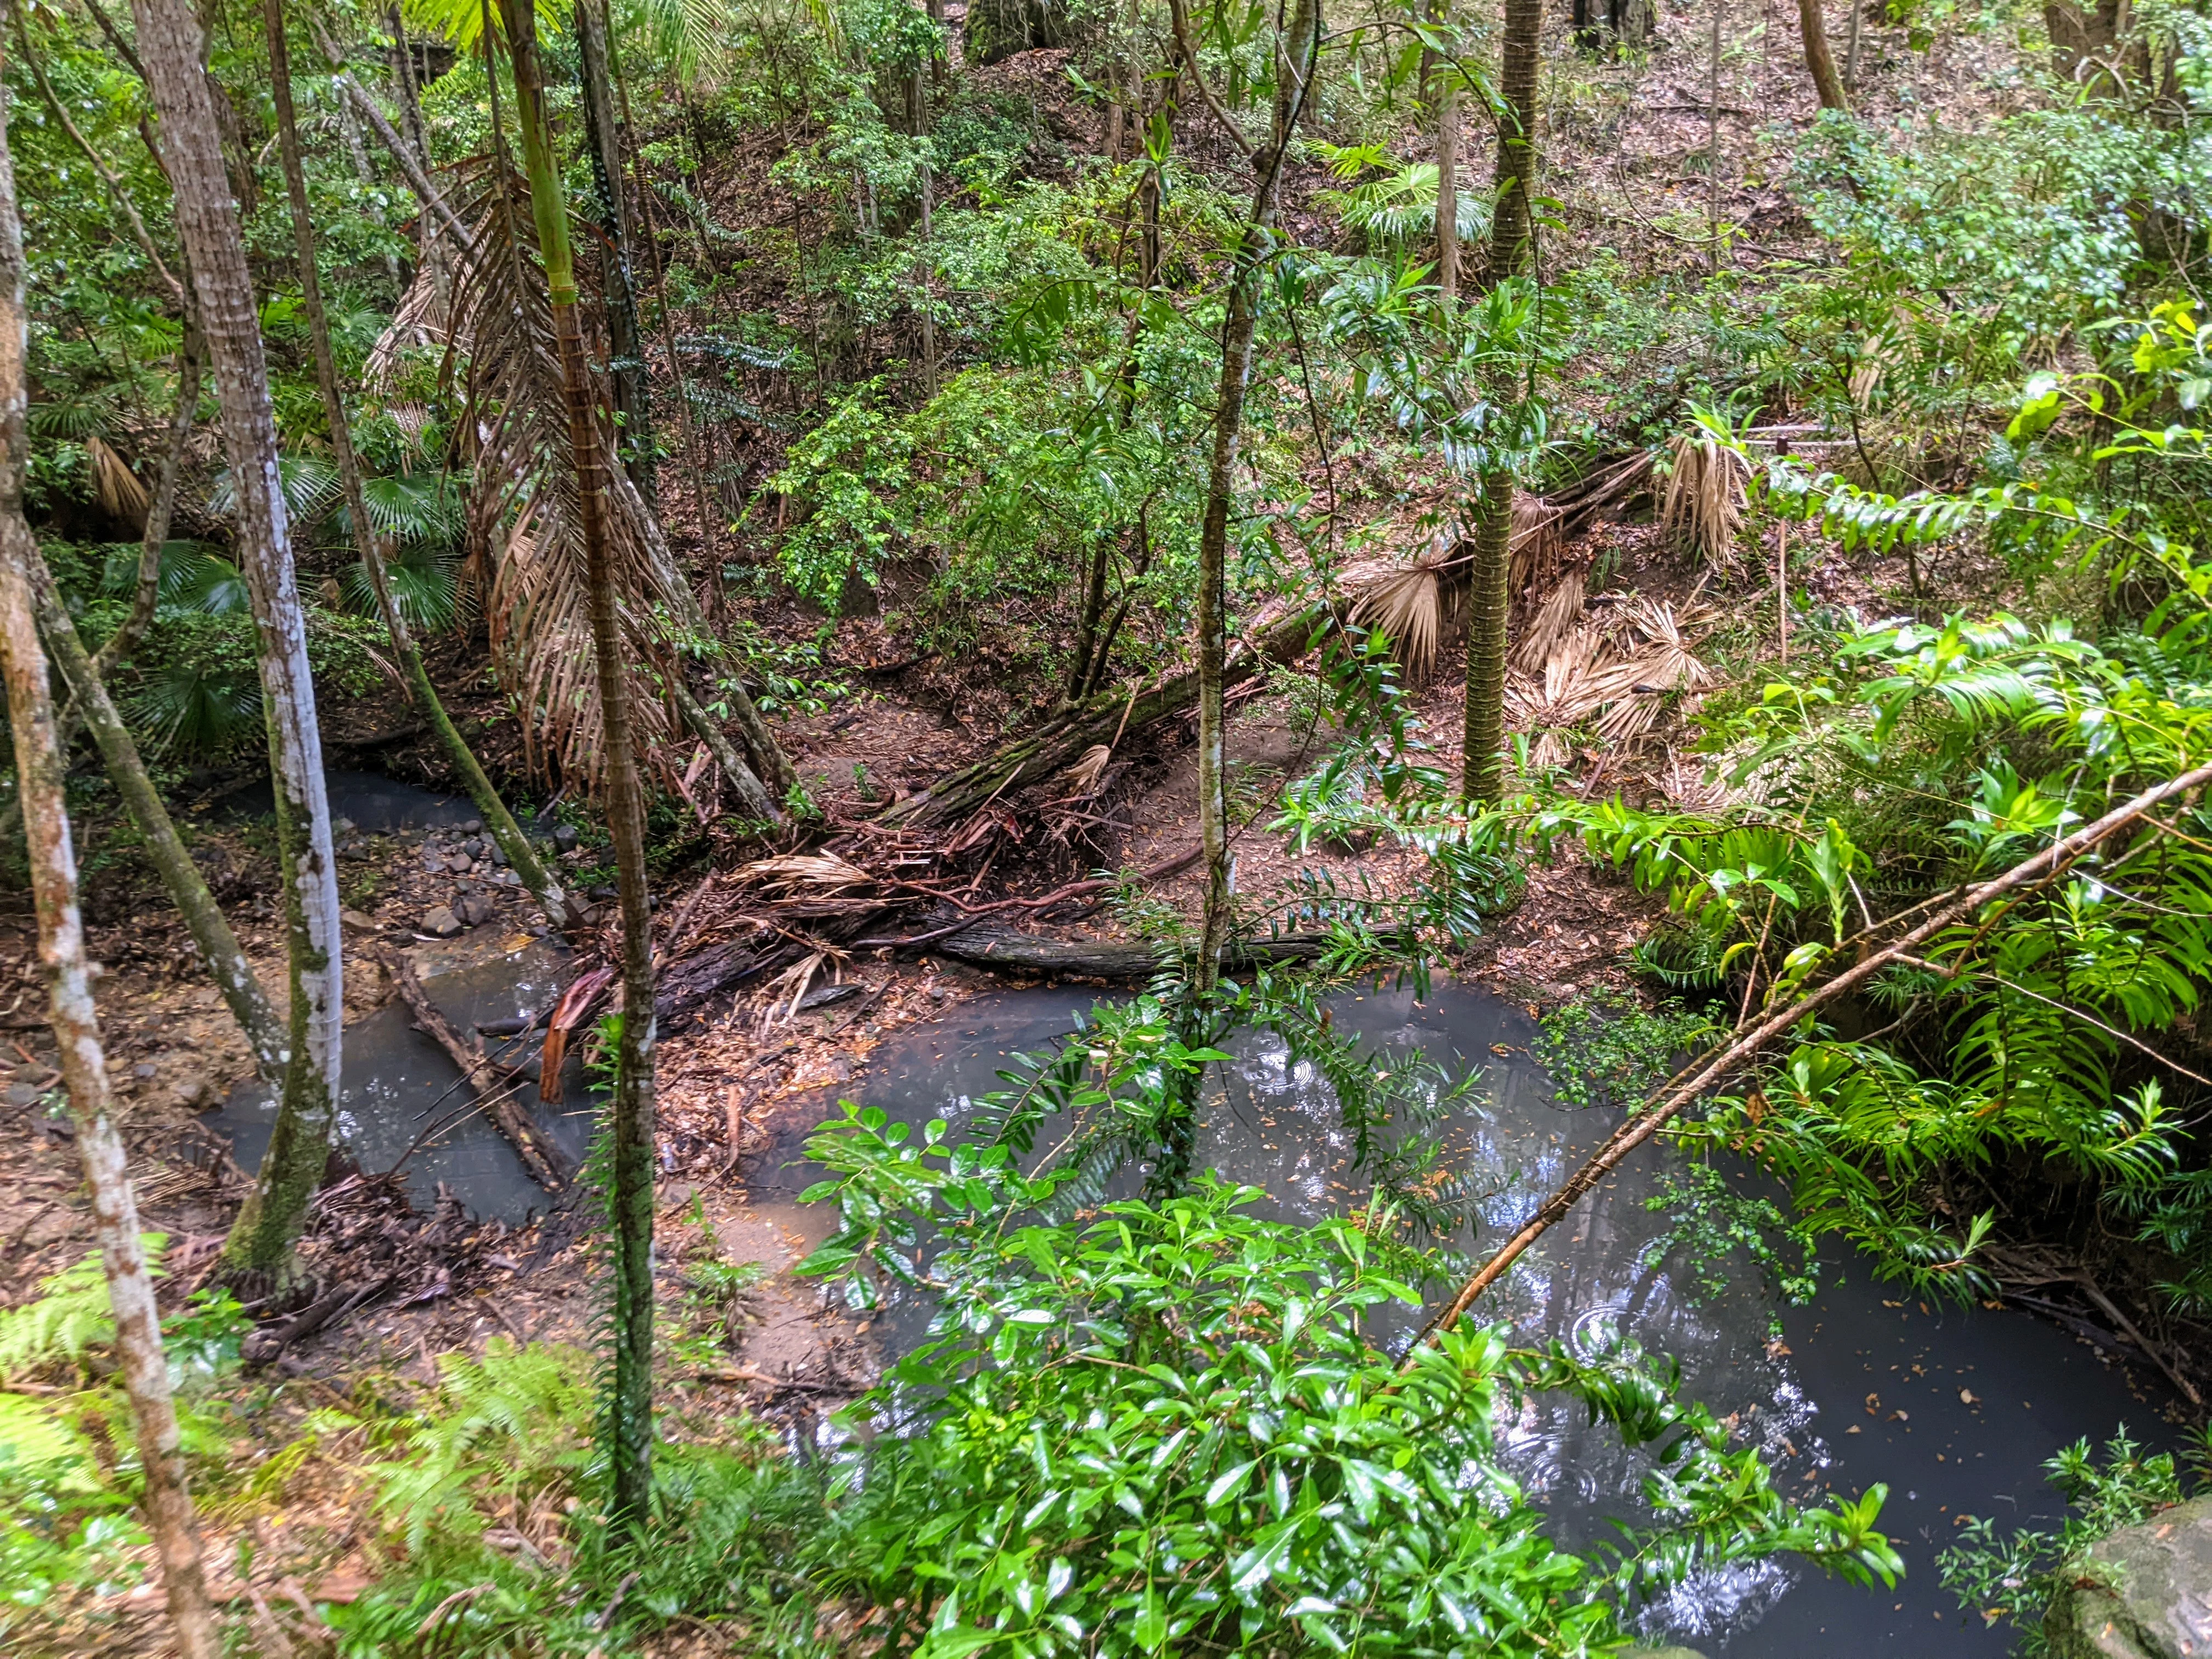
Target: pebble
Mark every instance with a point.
(460, 864)
(22, 1094)
(565, 837)
(441, 922)
(145, 1071)
(475, 910)
(473, 826)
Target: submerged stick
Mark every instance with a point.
(1689, 1085)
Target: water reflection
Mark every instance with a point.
(1954, 1410)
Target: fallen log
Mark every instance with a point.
(546, 1163)
(263, 1346)
(983, 944)
(1102, 718)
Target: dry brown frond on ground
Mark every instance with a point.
(1707, 496)
(1405, 599)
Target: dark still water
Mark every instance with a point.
(1953, 1410)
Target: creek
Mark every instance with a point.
(1954, 1410)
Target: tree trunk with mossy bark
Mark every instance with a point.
(233, 976)
(167, 1501)
(260, 1251)
(629, 1200)
(520, 855)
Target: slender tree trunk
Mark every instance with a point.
(1520, 62)
(38, 772)
(1448, 188)
(146, 596)
(543, 886)
(603, 139)
(629, 1201)
(1298, 51)
(260, 1246)
(1851, 49)
(1820, 62)
(357, 153)
(233, 976)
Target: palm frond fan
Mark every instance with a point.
(1707, 496)
(1554, 619)
(1405, 600)
(1536, 542)
(118, 488)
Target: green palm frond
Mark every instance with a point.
(425, 585)
(198, 578)
(309, 482)
(460, 22)
(1401, 207)
(188, 708)
(686, 35)
(420, 507)
(75, 414)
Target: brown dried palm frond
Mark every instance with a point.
(1405, 600)
(1535, 543)
(1706, 495)
(120, 493)
(1090, 766)
(1556, 618)
(525, 504)
(1636, 685)
(817, 873)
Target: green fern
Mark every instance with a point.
(70, 1315)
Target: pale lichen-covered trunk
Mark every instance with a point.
(520, 855)
(233, 976)
(629, 1200)
(1447, 185)
(260, 1246)
(38, 769)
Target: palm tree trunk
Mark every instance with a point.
(603, 139)
(39, 773)
(1512, 249)
(235, 978)
(629, 1201)
(260, 1247)
(1819, 62)
(1519, 63)
(1448, 186)
(1482, 777)
(520, 855)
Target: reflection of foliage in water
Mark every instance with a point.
(2016, 1578)
(1606, 1049)
(1714, 1225)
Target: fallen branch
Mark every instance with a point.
(1098, 719)
(1693, 1081)
(545, 1160)
(261, 1347)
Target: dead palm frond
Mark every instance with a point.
(525, 504)
(816, 872)
(1535, 543)
(120, 493)
(1707, 496)
(1556, 618)
(1090, 766)
(1404, 599)
(1636, 685)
